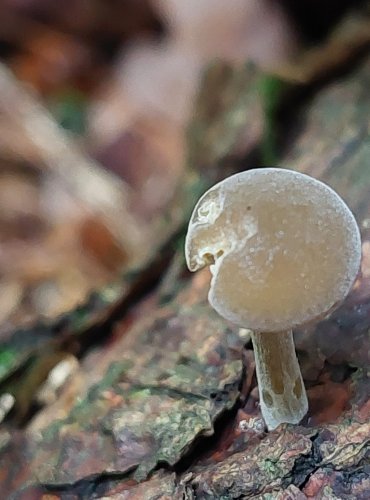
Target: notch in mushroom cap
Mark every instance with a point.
(283, 249)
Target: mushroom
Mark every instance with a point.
(283, 249)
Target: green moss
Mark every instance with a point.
(7, 360)
(271, 90)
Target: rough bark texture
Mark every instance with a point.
(174, 413)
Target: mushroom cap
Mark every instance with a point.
(283, 248)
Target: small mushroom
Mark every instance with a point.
(283, 249)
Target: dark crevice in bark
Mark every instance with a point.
(205, 444)
(87, 488)
(304, 466)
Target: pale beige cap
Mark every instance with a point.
(283, 248)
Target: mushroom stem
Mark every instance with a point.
(282, 394)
